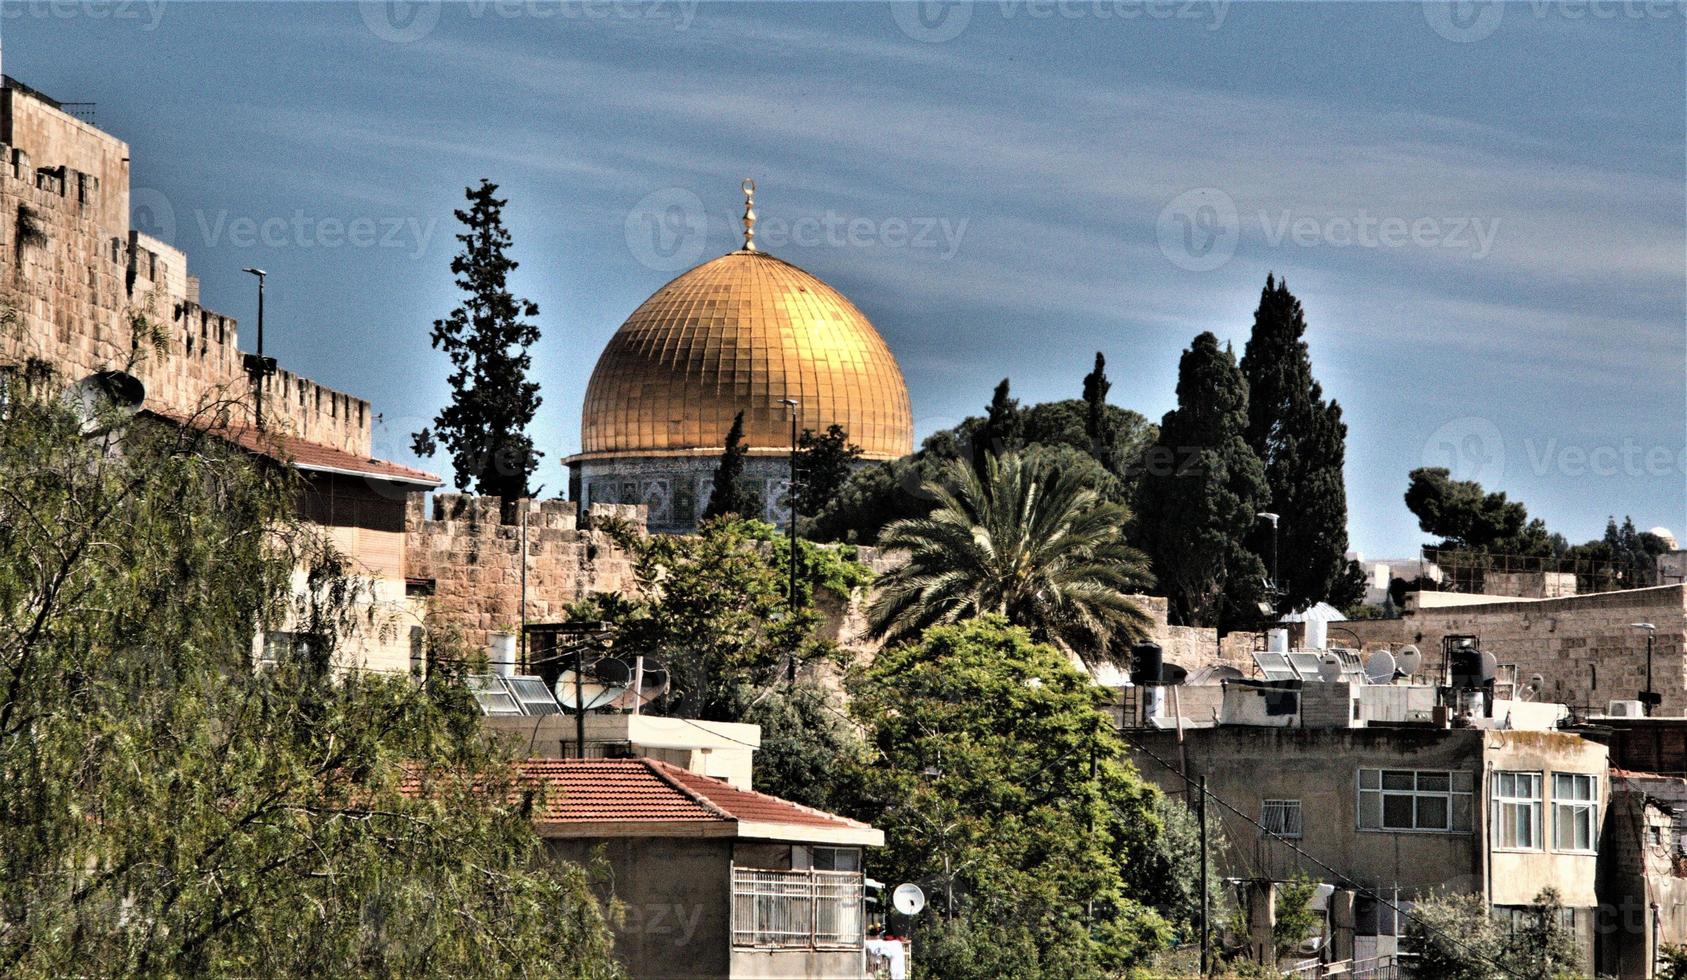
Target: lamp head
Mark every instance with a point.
(256, 272)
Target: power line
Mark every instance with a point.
(1375, 896)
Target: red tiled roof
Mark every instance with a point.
(307, 456)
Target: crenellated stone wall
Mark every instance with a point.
(92, 293)
(1585, 647)
(472, 556)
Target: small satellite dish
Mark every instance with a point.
(908, 898)
(1379, 667)
(1329, 667)
(1532, 689)
(1409, 660)
(600, 682)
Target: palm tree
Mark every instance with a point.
(1025, 541)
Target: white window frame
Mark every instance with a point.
(1512, 793)
(1281, 818)
(1457, 798)
(1571, 807)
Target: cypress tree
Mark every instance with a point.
(1003, 429)
(729, 495)
(1098, 425)
(1302, 441)
(1200, 491)
(492, 402)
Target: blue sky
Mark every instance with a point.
(1481, 208)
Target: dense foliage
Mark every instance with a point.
(1004, 790)
(1200, 494)
(1026, 540)
(492, 402)
(1302, 441)
(166, 809)
(824, 463)
(1455, 937)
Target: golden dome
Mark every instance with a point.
(744, 332)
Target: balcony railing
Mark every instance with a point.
(796, 909)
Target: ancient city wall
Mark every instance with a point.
(90, 293)
(474, 558)
(1583, 646)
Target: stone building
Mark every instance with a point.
(747, 333)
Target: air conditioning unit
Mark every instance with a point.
(1624, 709)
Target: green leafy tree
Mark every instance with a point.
(1004, 790)
(1026, 541)
(1543, 948)
(1467, 518)
(729, 495)
(1454, 938)
(170, 811)
(1303, 442)
(811, 753)
(824, 463)
(1296, 918)
(492, 402)
(1201, 490)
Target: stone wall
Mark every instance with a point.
(89, 289)
(473, 558)
(1584, 646)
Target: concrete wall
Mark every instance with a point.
(1635, 873)
(84, 293)
(677, 893)
(1583, 645)
(1518, 876)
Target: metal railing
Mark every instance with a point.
(1386, 966)
(797, 909)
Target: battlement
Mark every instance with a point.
(94, 293)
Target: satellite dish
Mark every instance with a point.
(908, 898)
(114, 389)
(1379, 667)
(1532, 689)
(1329, 667)
(654, 683)
(601, 681)
(1409, 660)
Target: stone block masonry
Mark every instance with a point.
(472, 556)
(89, 291)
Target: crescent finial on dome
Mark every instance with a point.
(749, 188)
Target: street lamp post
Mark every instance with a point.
(791, 530)
(1276, 587)
(1649, 699)
(263, 369)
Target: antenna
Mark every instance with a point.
(1380, 667)
(1329, 668)
(908, 898)
(1409, 660)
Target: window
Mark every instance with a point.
(1280, 817)
(1517, 811)
(1575, 811)
(797, 909)
(1410, 799)
(836, 858)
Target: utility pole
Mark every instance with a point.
(1649, 699)
(1276, 586)
(263, 366)
(1201, 820)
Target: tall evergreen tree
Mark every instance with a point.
(1303, 442)
(1097, 423)
(1200, 490)
(1003, 430)
(729, 495)
(824, 463)
(487, 337)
